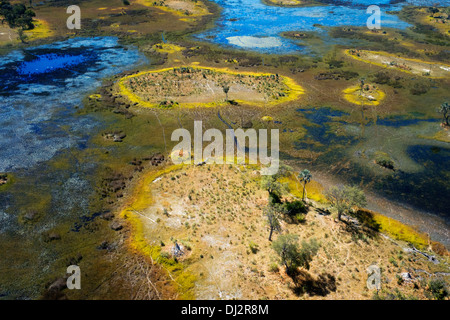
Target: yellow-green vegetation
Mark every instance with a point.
(95, 97)
(414, 66)
(215, 213)
(167, 48)
(442, 135)
(41, 30)
(368, 95)
(111, 17)
(267, 118)
(36, 207)
(292, 3)
(6, 180)
(286, 2)
(195, 86)
(187, 8)
(394, 228)
(384, 160)
(313, 188)
(138, 242)
(436, 17)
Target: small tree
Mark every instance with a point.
(308, 251)
(286, 246)
(271, 183)
(344, 198)
(292, 255)
(306, 177)
(275, 188)
(438, 289)
(445, 110)
(361, 85)
(226, 88)
(273, 213)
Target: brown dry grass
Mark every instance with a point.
(215, 213)
(196, 85)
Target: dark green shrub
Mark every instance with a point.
(438, 288)
(295, 207)
(419, 89)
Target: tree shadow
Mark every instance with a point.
(323, 212)
(366, 218)
(296, 211)
(321, 285)
(362, 225)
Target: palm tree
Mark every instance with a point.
(306, 177)
(361, 85)
(226, 88)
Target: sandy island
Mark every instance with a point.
(204, 86)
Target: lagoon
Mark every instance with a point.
(245, 22)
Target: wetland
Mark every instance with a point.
(85, 125)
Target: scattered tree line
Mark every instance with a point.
(292, 254)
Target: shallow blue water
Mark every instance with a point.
(427, 189)
(252, 18)
(319, 130)
(400, 121)
(39, 90)
(49, 63)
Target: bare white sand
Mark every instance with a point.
(255, 42)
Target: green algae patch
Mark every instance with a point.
(138, 243)
(195, 86)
